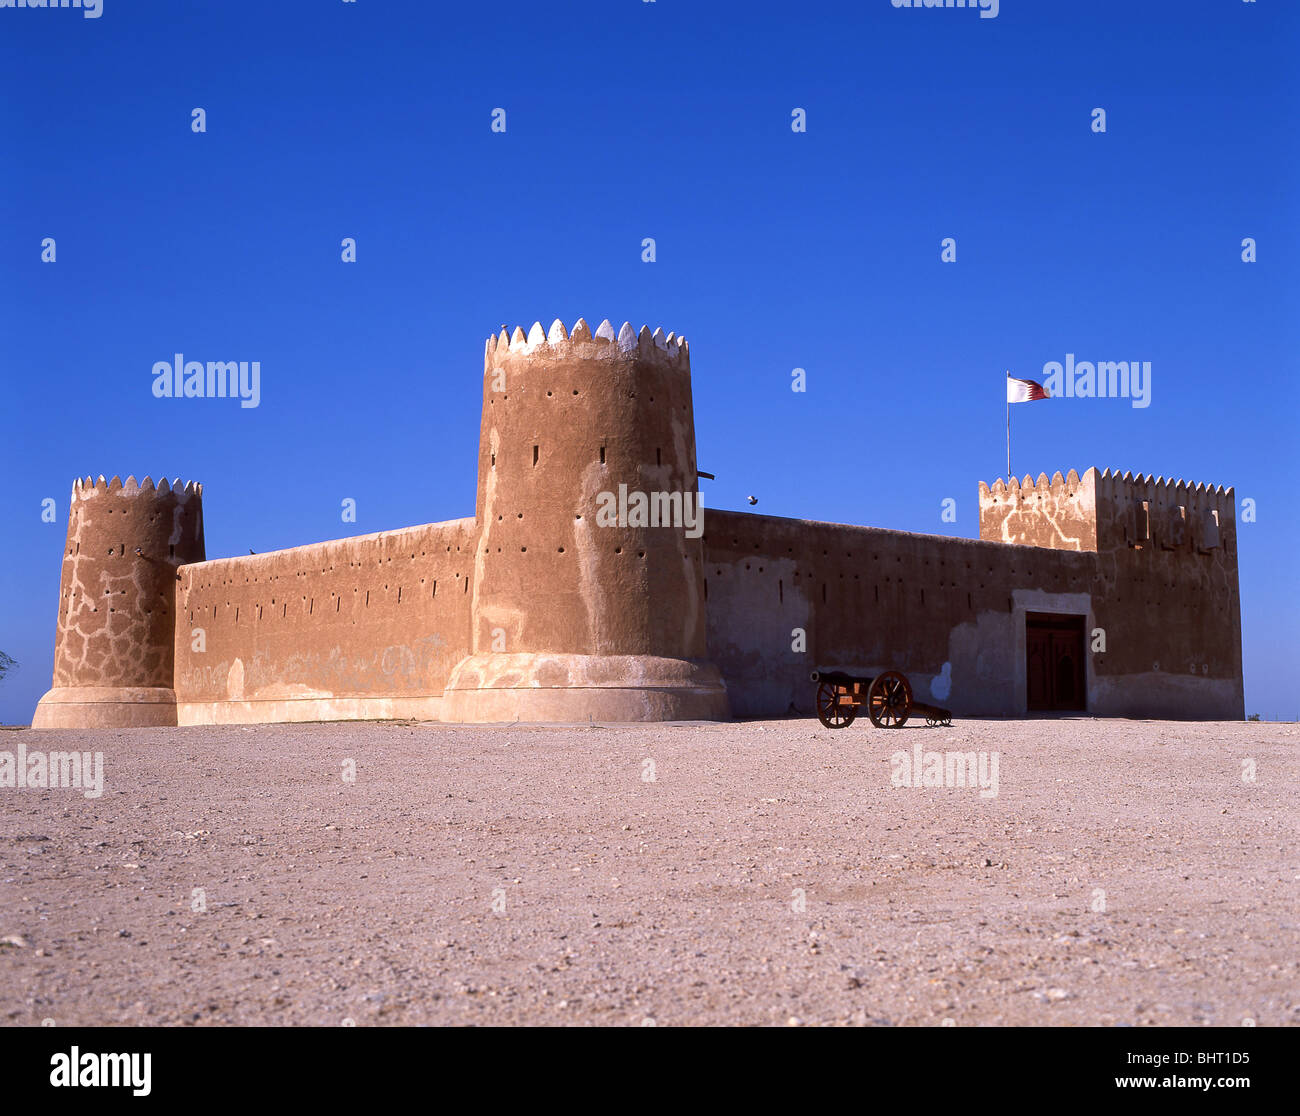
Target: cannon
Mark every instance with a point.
(887, 696)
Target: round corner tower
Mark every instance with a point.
(588, 596)
(116, 632)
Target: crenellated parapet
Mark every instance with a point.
(88, 486)
(1060, 513)
(654, 347)
(1105, 511)
(1138, 512)
(1028, 488)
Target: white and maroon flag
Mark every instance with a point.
(1024, 391)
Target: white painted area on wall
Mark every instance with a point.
(941, 683)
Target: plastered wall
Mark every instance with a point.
(367, 627)
(1171, 606)
(1060, 513)
(581, 609)
(944, 611)
(566, 418)
(114, 637)
(950, 613)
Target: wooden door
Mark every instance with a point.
(1054, 666)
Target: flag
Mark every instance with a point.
(1024, 391)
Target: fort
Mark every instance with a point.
(1100, 593)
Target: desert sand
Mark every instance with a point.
(1125, 873)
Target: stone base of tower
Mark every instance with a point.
(568, 688)
(281, 710)
(93, 707)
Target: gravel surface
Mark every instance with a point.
(1126, 872)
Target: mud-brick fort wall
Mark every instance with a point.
(1150, 565)
(947, 612)
(116, 618)
(366, 627)
(1170, 601)
(1164, 589)
(535, 609)
(575, 616)
(530, 610)
(563, 420)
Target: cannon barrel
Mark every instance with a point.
(839, 678)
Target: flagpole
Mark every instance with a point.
(1008, 436)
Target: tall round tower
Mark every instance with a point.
(588, 596)
(117, 603)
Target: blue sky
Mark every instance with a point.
(775, 250)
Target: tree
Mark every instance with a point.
(7, 663)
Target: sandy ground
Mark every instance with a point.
(1125, 873)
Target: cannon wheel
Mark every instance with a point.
(829, 711)
(888, 700)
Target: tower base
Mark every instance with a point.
(492, 687)
(93, 707)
